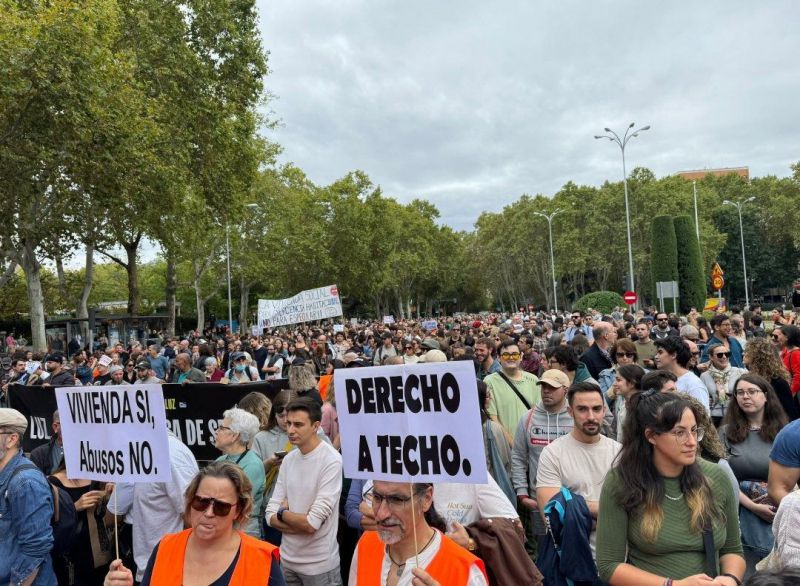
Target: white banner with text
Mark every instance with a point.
(309, 305)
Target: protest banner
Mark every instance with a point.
(413, 422)
(193, 411)
(309, 305)
(114, 434)
(337, 328)
(430, 324)
(388, 319)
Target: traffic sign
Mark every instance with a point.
(630, 297)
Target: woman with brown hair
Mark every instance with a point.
(667, 517)
(761, 358)
(753, 419)
(213, 551)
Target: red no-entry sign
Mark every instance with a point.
(630, 297)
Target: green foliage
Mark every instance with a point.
(664, 255)
(604, 301)
(691, 275)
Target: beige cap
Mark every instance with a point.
(554, 378)
(13, 420)
(433, 356)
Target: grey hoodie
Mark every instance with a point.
(535, 430)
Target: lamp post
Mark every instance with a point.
(228, 254)
(549, 218)
(739, 205)
(622, 143)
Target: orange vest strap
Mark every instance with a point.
(253, 567)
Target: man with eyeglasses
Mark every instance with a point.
(662, 328)
(26, 512)
(578, 327)
(513, 391)
(721, 326)
(720, 379)
(405, 536)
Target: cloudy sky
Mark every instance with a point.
(471, 104)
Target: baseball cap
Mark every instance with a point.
(554, 378)
(54, 357)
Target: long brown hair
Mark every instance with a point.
(641, 491)
(774, 415)
(763, 359)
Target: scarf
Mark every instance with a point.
(720, 378)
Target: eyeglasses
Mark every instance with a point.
(224, 428)
(393, 501)
(747, 393)
(280, 412)
(510, 355)
(626, 354)
(576, 317)
(722, 355)
(662, 319)
(682, 435)
(695, 353)
(220, 508)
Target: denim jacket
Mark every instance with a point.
(26, 508)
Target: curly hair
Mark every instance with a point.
(762, 358)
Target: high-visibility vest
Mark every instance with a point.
(252, 567)
(450, 566)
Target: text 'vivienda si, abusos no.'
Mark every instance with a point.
(114, 434)
(411, 421)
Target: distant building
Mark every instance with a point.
(743, 172)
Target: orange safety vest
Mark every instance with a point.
(252, 568)
(450, 566)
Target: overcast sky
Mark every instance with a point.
(471, 104)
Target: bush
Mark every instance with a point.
(604, 301)
(691, 274)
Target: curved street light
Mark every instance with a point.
(738, 205)
(622, 143)
(549, 218)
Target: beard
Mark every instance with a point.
(590, 428)
(390, 537)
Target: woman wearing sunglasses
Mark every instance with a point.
(622, 352)
(720, 379)
(661, 504)
(213, 551)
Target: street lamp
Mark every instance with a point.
(622, 143)
(739, 205)
(549, 218)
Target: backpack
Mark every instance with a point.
(65, 523)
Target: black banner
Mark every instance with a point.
(193, 410)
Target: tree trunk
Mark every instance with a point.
(170, 292)
(82, 304)
(132, 268)
(33, 280)
(244, 304)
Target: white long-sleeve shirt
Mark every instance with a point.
(311, 484)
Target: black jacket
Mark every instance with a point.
(595, 361)
(42, 457)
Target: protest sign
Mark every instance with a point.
(338, 328)
(193, 411)
(114, 433)
(255, 331)
(413, 422)
(309, 305)
(388, 319)
(430, 324)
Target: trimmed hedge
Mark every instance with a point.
(664, 256)
(604, 301)
(691, 275)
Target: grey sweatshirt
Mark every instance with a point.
(535, 430)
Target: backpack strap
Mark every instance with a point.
(514, 388)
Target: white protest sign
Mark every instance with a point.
(309, 305)
(412, 422)
(430, 324)
(255, 331)
(388, 319)
(338, 328)
(114, 433)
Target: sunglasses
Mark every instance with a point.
(280, 411)
(510, 355)
(722, 355)
(220, 508)
(626, 354)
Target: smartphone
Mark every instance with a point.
(280, 454)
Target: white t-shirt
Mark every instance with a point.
(690, 384)
(426, 556)
(311, 484)
(467, 503)
(580, 467)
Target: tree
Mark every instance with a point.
(664, 253)
(691, 274)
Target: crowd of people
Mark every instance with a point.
(631, 448)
